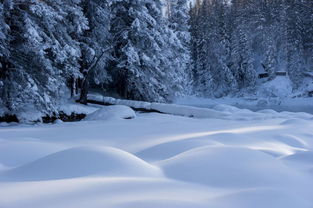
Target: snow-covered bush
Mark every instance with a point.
(279, 87)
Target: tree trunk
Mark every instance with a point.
(84, 91)
(73, 86)
(84, 88)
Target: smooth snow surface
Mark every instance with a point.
(245, 159)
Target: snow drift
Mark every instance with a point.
(79, 162)
(227, 167)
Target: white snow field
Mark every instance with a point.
(117, 158)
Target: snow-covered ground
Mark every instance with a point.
(116, 158)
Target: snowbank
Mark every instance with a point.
(217, 111)
(162, 108)
(111, 112)
(253, 103)
(68, 111)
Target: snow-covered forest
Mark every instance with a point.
(150, 50)
(51, 50)
(235, 46)
(156, 103)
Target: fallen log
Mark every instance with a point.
(172, 109)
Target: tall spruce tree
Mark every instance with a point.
(141, 59)
(3, 55)
(95, 46)
(179, 23)
(200, 43)
(219, 51)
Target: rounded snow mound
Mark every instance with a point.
(170, 149)
(80, 162)
(227, 167)
(112, 112)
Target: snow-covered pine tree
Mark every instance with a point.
(179, 19)
(213, 38)
(43, 53)
(203, 78)
(224, 81)
(95, 47)
(267, 24)
(270, 57)
(295, 47)
(3, 55)
(140, 66)
(241, 54)
(3, 36)
(194, 36)
(3, 32)
(307, 13)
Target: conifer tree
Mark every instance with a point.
(141, 69)
(179, 19)
(43, 53)
(95, 46)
